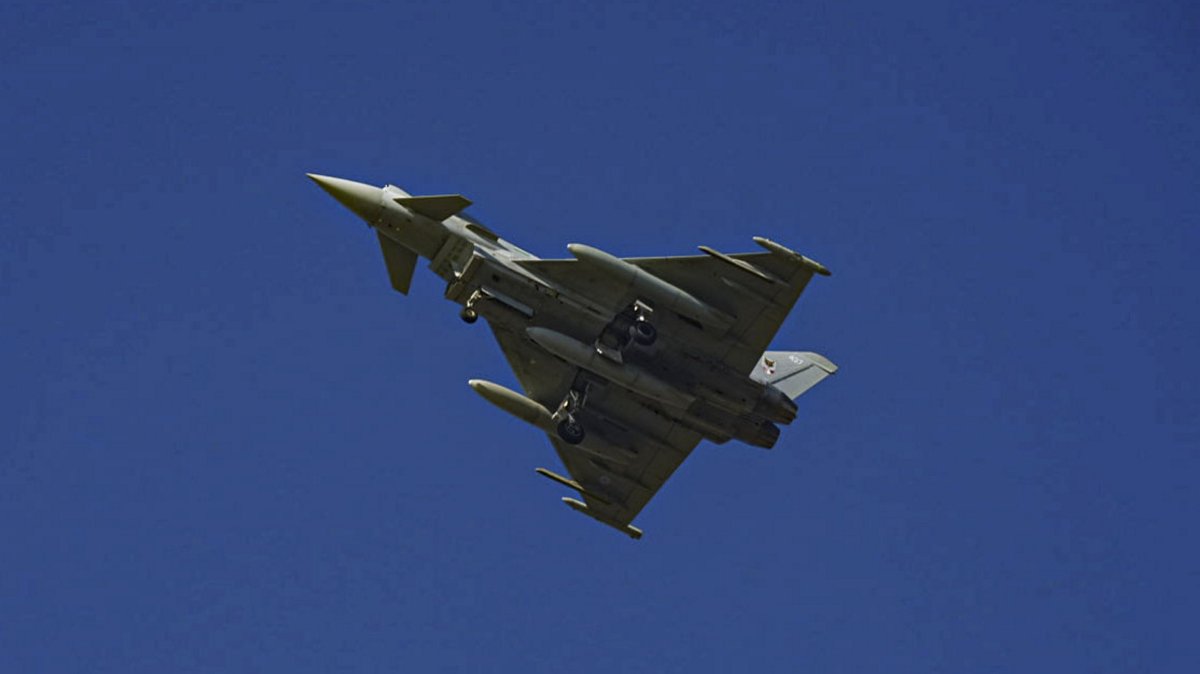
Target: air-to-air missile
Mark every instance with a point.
(579, 506)
(786, 252)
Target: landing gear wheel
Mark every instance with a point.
(644, 333)
(468, 315)
(571, 432)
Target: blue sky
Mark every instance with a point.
(229, 446)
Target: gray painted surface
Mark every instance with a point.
(626, 364)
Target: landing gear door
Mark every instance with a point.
(452, 259)
(463, 280)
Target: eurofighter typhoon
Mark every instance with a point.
(626, 364)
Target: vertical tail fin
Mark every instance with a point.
(793, 372)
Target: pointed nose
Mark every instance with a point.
(364, 200)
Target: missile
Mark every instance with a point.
(522, 407)
(788, 253)
(579, 506)
(742, 265)
(628, 376)
(641, 282)
(568, 482)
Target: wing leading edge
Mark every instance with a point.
(757, 289)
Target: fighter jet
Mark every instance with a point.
(626, 364)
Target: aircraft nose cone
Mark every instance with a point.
(364, 200)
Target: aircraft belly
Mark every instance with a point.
(724, 400)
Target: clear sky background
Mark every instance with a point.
(228, 446)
